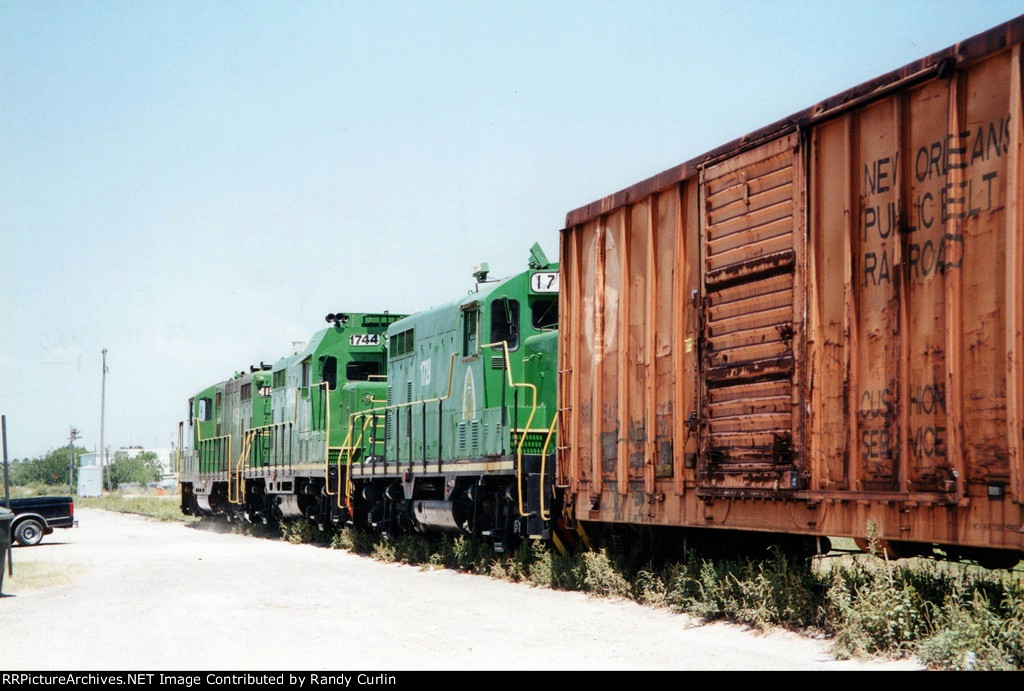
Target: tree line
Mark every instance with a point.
(52, 468)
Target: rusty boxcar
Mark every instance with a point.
(816, 329)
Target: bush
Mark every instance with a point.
(270, 531)
(140, 469)
(51, 469)
(303, 531)
(971, 634)
(353, 540)
(602, 577)
(777, 590)
(874, 611)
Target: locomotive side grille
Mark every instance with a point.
(474, 433)
(408, 411)
(388, 424)
(533, 444)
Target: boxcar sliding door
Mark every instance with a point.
(752, 314)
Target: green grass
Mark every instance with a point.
(36, 576)
(35, 489)
(162, 508)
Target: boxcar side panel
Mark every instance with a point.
(923, 390)
(829, 308)
(669, 314)
(818, 326)
(978, 150)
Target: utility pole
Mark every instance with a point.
(7, 470)
(103, 401)
(71, 458)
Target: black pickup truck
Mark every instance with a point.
(38, 516)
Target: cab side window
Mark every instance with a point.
(544, 313)
(329, 371)
(505, 322)
(205, 410)
(469, 341)
(361, 371)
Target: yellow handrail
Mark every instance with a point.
(350, 448)
(370, 411)
(327, 425)
(248, 437)
(238, 496)
(232, 465)
(177, 457)
(209, 443)
(522, 436)
(327, 480)
(544, 515)
(199, 440)
(295, 418)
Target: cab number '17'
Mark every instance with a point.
(544, 282)
(364, 339)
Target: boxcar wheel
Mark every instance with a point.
(29, 532)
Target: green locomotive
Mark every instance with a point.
(465, 442)
(262, 443)
(439, 421)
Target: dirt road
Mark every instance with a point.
(138, 594)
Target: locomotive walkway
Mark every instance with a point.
(123, 592)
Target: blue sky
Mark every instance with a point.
(194, 185)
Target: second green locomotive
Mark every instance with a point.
(262, 443)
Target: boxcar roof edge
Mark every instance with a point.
(965, 52)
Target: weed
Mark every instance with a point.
(602, 577)
(540, 565)
(303, 531)
(516, 567)
(354, 540)
(270, 531)
(383, 551)
(874, 609)
(971, 634)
